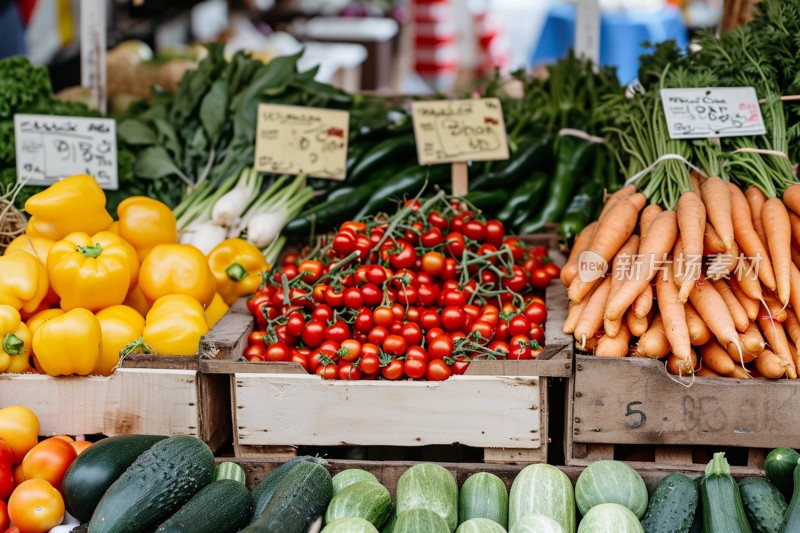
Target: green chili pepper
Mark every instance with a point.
(531, 155)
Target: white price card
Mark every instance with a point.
(50, 148)
(710, 112)
(297, 140)
(450, 131)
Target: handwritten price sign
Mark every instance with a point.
(449, 131)
(712, 112)
(50, 148)
(296, 140)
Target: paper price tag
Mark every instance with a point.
(296, 140)
(449, 131)
(50, 148)
(705, 113)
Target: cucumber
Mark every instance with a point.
(722, 503)
(364, 499)
(228, 470)
(264, 490)
(420, 521)
(428, 486)
(93, 472)
(480, 525)
(542, 489)
(483, 495)
(350, 476)
(536, 523)
(791, 522)
(764, 505)
(672, 506)
(779, 467)
(156, 485)
(300, 499)
(223, 506)
(352, 524)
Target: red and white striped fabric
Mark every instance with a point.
(435, 42)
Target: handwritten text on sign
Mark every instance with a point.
(712, 112)
(50, 148)
(296, 140)
(450, 131)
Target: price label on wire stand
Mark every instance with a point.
(712, 112)
(297, 140)
(50, 148)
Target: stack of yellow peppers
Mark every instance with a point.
(78, 288)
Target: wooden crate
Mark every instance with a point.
(499, 406)
(616, 403)
(150, 394)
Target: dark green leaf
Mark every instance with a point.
(214, 110)
(136, 132)
(154, 163)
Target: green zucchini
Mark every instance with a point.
(350, 476)
(420, 521)
(223, 506)
(300, 500)
(672, 506)
(264, 490)
(791, 522)
(391, 150)
(779, 467)
(483, 495)
(764, 505)
(352, 524)
(156, 485)
(97, 468)
(364, 499)
(228, 470)
(409, 182)
(428, 486)
(722, 503)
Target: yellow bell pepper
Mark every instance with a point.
(92, 272)
(120, 325)
(23, 281)
(41, 317)
(175, 325)
(177, 269)
(237, 266)
(68, 344)
(137, 300)
(145, 223)
(36, 246)
(216, 310)
(20, 364)
(15, 337)
(74, 204)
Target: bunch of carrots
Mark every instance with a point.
(732, 318)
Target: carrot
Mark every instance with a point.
(791, 197)
(654, 248)
(723, 263)
(776, 338)
(794, 220)
(678, 262)
(752, 344)
(673, 315)
(736, 310)
(612, 232)
(739, 372)
(770, 365)
(591, 343)
(706, 373)
(747, 280)
(692, 224)
(717, 199)
(712, 243)
(756, 199)
(699, 333)
(796, 256)
(711, 307)
(592, 317)
(636, 324)
(582, 241)
(647, 216)
(620, 271)
(774, 308)
(624, 192)
(751, 306)
(792, 326)
(573, 315)
(614, 346)
(682, 367)
(653, 342)
(716, 358)
(697, 180)
(775, 217)
(748, 239)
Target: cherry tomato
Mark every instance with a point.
(295, 324)
(256, 305)
(314, 333)
(540, 278)
(347, 371)
(36, 506)
(427, 294)
(407, 295)
(452, 297)
(519, 325)
(278, 352)
(395, 345)
(432, 334)
(516, 247)
(49, 460)
(327, 371)
(457, 223)
(488, 249)
(455, 244)
(364, 321)
(438, 370)
(552, 269)
(334, 298)
(300, 358)
(531, 264)
(371, 294)
(255, 353)
(539, 251)
(433, 263)
(453, 318)
(501, 331)
(398, 312)
(6, 483)
(394, 370)
(417, 352)
(383, 316)
(518, 280)
(537, 334)
(363, 246)
(495, 232)
(412, 334)
(283, 336)
(344, 243)
(357, 227)
(488, 279)
(520, 348)
(5, 521)
(353, 298)
(499, 347)
(310, 270)
(484, 329)
(323, 313)
(440, 347)
(290, 258)
(6, 455)
(475, 230)
(376, 274)
(378, 334)
(351, 350)
(450, 269)
(472, 311)
(415, 368)
(339, 331)
(369, 364)
(403, 256)
(459, 366)
(536, 312)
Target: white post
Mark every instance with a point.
(587, 30)
(93, 50)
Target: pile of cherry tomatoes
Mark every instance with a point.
(417, 295)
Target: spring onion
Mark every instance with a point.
(230, 206)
